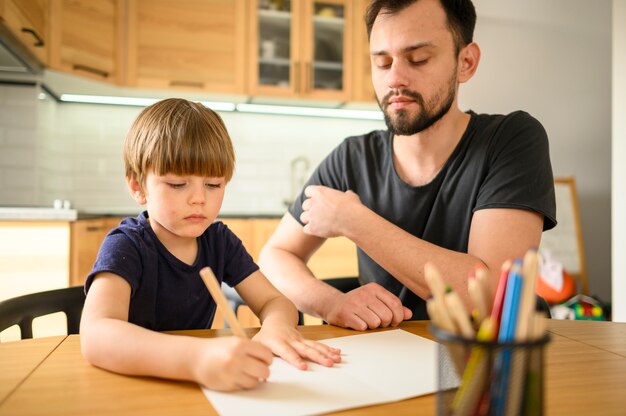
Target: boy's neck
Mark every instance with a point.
(184, 249)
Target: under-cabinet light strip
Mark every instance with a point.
(225, 106)
(310, 111)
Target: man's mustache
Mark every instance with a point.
(404, 93)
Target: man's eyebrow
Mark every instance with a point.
(410, 48)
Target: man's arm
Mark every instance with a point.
(283, 260)
(495, 236)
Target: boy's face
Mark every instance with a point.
(180, 206)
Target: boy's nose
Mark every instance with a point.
(198, 196)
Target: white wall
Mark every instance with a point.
(19, 146)
(553, 60)
(619, 157)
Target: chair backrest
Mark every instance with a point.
(22, 310)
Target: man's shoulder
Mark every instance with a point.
(374, 140)
(515, 118)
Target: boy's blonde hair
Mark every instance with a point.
(179, 137)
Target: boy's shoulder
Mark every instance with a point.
(132, 228)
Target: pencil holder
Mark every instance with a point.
(489, 378)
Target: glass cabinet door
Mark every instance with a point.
(275, 67)
(325, 71)
(299, 48)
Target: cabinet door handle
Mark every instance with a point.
(308, 81)
(296, 76)
(195, 84)
(96, 71)
(93, 228)
(37, 38)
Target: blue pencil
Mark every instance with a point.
(508, 325)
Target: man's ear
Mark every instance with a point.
(468, 60)
(136, 190)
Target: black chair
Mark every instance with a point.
(22, 310)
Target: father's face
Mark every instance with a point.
(414, 66)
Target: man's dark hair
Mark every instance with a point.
(461, 17)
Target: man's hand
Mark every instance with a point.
(369, 306)
(326, 210)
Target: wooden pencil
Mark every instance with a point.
(218, 296)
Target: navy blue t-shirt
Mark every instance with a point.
(502, 161)
(166, 293)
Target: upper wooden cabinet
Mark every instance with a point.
(187, 44)
(301, 48)
(86, 38)
(362, 89)
(27, 20)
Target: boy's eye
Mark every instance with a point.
(213, 185)
(175, 185)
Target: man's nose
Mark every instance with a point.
(398, 75)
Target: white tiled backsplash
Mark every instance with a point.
(53, 150)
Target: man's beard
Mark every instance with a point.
(428, 114)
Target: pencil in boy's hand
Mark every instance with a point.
(218, 296)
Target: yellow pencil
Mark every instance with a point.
(218, 296)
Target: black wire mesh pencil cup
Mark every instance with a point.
(489, 378)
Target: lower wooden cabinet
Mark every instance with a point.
(335, 258)
(86, 236)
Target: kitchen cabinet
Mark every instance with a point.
(86, 236)
(362, 89)
(335, 258)
(86, 38)
(301, 49)
(187, 44)
(27, 20)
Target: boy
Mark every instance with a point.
(178, 159)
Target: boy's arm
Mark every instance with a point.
(279, 318)
(109, 341)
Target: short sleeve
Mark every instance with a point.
(119, 255)
(238, 264)
(519, 173)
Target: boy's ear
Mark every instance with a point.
(469, 57)
(136, 190)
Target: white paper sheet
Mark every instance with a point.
(376, 368)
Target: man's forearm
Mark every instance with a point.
(404, 255)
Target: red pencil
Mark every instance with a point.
(498, 301)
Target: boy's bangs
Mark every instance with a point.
(191, 156)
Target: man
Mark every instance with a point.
(443, 186)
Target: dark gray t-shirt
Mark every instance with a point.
(167, 293)
(502, 161)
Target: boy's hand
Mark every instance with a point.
(286, 342)
(232, 363)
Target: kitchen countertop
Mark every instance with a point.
(62, 214)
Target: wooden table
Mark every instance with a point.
(585, 374)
